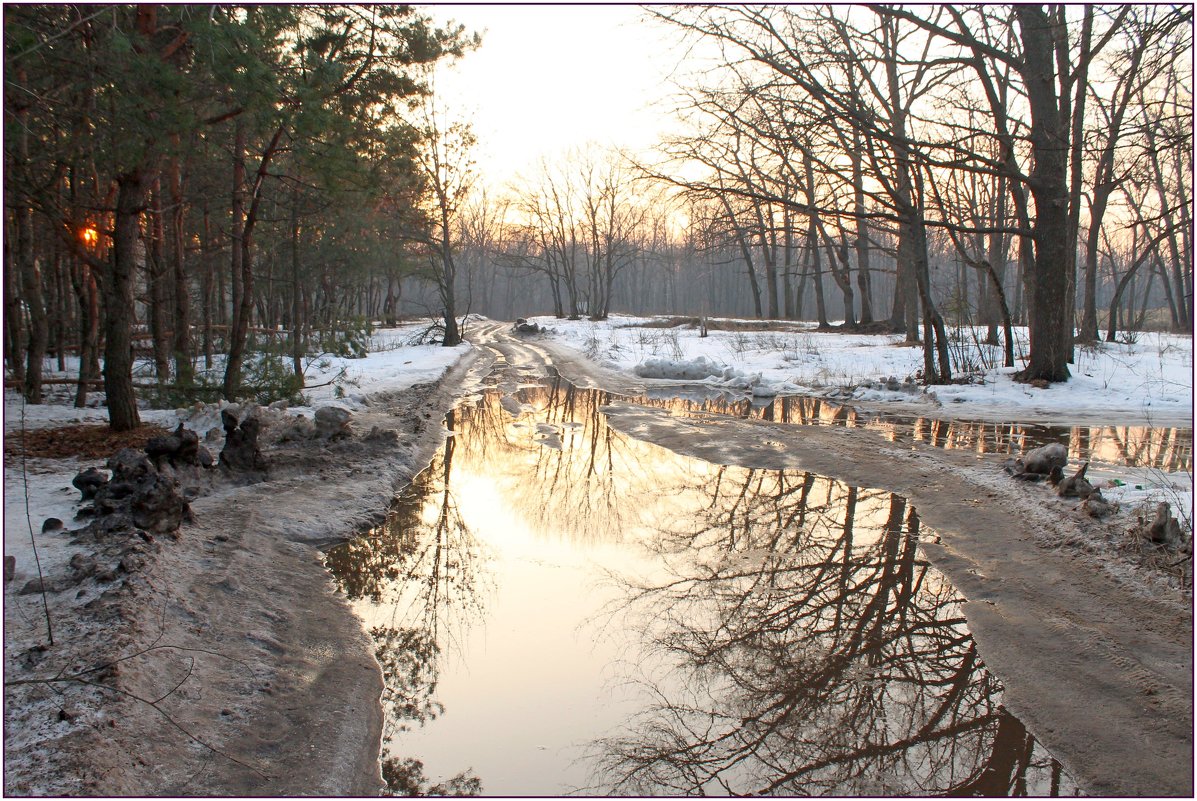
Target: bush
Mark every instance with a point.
(349, 340)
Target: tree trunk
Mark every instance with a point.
(118, 302)
(33, 295)
(184, 372)
(863, 277)
(816, 271)
(770, 257)
(1047, 282)
(788, 291)
(89, 331)
(1103, 186)
(14, 330)
(243, 310)
(994, 308)
(297, 349)
(235, 337)
(155, 264)
(207, 289)
(62, 314)
(31, 281)
(1073, 114)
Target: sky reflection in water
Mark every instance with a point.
(558, 607)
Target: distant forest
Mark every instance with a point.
(229, 191)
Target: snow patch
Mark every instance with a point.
(701, 369)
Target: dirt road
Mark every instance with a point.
(241, 673)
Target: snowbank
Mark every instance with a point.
(708, 372)
(1147, 379)
(390, 366)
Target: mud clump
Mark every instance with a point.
(241, 452)
(179, 450)
(89, 482)
(1161, 528)
(149, 498)
(139, 497)
(333, 421)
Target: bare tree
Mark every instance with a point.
(446, 166)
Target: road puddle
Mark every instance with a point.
(559, 608)
(1166, 449)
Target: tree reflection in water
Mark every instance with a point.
(593, 488)
(803, 646)
(1162, 448)
(424, 566)
(798, 642)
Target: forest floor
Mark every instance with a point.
(240, 672)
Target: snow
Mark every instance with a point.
(1147, 381)
(715, 375)
(50, 494)
(390, 366)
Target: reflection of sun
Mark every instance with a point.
(90, 236)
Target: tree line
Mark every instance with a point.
(211, 183)
(898, 170)
(195, 173)
(997, 129)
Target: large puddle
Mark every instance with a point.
(1166, 449)
(559, 609)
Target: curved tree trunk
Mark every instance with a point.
(244, 309)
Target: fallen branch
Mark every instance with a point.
(75, 679)
(78, 677)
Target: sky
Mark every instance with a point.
(549, 78)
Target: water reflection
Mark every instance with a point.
(423, 573)
(801, 645)
(559, 465)
(1166, 449)
(782, 630)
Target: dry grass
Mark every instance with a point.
(87, 441)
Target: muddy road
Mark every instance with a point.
(266, 683)
(1097, 664)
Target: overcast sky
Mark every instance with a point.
(548, 78)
